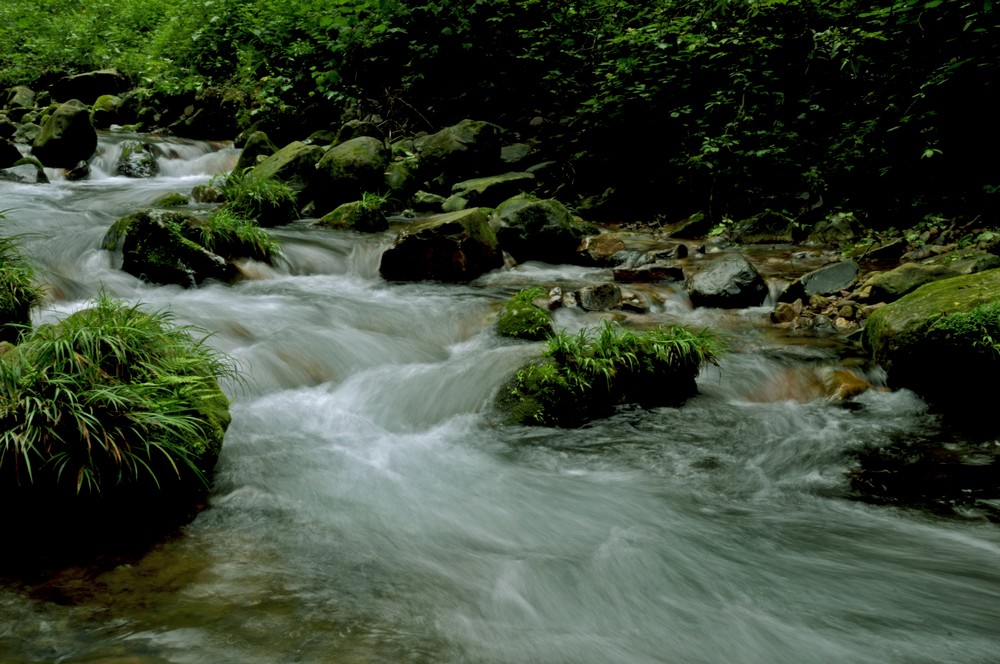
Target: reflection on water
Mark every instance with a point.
(366, 507)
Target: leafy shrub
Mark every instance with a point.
(585, 375)
(110, 397)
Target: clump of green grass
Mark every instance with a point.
(585, 375)
(976, 332)
(18, 290)
(520, 318)
(110, 397)
(229, 233)
(268, 201)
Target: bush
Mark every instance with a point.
(110, 400)
(585, 375)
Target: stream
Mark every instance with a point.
(368, 508)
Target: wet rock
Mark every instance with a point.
(207, 193)
(649, 273)
(427, 202)
(294, 164)
(454, 247)
(601, 249)
(730, 281)
(602, 297)
(24, 174)
(137, 160)
(492, 190)
(256, 149)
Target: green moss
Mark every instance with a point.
(520, 318)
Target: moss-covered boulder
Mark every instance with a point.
(19, 96)
(111, 422)
(893, 284)
(492, 190)
(349, 170)
(294, 164)
(104, 112)
(455, 247)
(529, 228)
(356, 216)
(161, 246)
(469, 148)
(67, 138)
(259, 147)
(171, 200)
(89, 86)
(521, 318)
(942, 340)
(586, 376)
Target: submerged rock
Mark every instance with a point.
(137, 160)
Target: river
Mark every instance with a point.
(367, 508)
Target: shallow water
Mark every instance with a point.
(366, 507)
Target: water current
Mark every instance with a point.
(367, 508)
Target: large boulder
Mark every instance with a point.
(529, 228)
(942, 340)
(728, 282)
(137, 160)
(256, 149)
(454, 247)
(25, 173)
(87, 87)
(105, 111)
(469, 148)
(19, 96)
(67, 138)
(161, 247)
(356, 216)
(350, 170)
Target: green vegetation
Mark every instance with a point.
(585, 375)
(974, 333)
(520, 318)
(230, 234)
(730, 107)
(267, 200)
(110, 397)
(18, 291)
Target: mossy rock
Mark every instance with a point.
(521, 318)
(941, 340)
(159, 246)
(530, 228)
(587, 376)
(257, 148)
(456, 247)
(66, 138)
(356, 216)
(171, 200)
(349, 170)
(294, 164)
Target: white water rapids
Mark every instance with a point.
(366, 508)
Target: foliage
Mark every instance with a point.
(731, 107)
(521, 318)
(229, 234)
(18, 290)
(585, 375)
(267, 200)
(109, 395)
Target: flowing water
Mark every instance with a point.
(367, 508)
